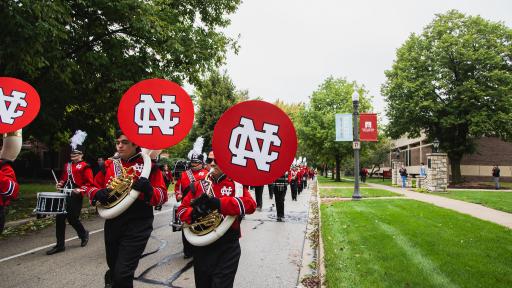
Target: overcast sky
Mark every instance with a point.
(288, 47)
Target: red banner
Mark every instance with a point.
(368, 127)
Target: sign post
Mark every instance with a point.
(356, 145)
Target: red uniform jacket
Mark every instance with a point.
(155, 177)
(183, 183)
(79, 174)
(9, 188)
(292, 175)
(224, 189)
(168, 175)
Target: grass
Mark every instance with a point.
(497, 200)
(386, 182)
(406, 243)
(26, 202)
(328, 182)
(347, 192)
(503, 185)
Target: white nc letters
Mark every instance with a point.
(9, 113)
(260, 155)
(150, 114)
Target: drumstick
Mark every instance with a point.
(55, 177)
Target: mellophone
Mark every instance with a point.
(52, 203)
(176, 223)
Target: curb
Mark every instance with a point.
(20, 222)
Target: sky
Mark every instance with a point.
(289, 47)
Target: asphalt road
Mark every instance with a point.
(271, 253)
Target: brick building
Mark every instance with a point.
(474, 167)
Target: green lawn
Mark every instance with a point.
(492, 199)
(347, 192)
(503, 185)
(23, 207)
(328, 182)
(386, 182)
(406, 243)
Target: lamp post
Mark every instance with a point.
(435, 145)
(356, 145)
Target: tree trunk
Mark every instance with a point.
(338, 161)
(325, 170)
(455, 167)
(333, 172)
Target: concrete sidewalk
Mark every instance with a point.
(475, 210)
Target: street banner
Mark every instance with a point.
(155, 114)
(368, 127)
(254, 143)
(344, 131)
(19, 104)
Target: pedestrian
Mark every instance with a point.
(215, 264)
(496, 176)
(183, 185)
(363, 173)
(166, 172)
(126, 235)
(293, 179)
(280, 187)
(403, 174)
(423, 170)
(76, 177)
(99, 166)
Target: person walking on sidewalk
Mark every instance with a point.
(280, 187)
(294, 182)
(9, 188)
(77, 175)
(403, 175)
(496, 176)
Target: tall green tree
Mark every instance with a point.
(82, 55)
(317, 130)
(454, 82)
(215, 94)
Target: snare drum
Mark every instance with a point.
(66, 191)
(50, 203)
(175, 221)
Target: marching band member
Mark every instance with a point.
(9, 188)
(126, 235)
(187, 178)
(280, 187)
(258, 192)
(293, 180)
(215, 265)
(76, 175)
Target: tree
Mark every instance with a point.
(376, 153)
(454, 83)
(216, 94)
(317, 126)
(82, 55)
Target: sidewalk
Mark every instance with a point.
(475, 210)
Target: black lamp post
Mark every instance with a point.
(356, 146)
(435, 145)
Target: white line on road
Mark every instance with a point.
(70, 239)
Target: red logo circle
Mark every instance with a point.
(254, 143)
(19, 104)
(155, 114)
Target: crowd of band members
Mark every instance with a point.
(126, 236)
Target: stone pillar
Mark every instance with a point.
(437, 172)
(395, 176)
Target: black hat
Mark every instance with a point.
(197, 158)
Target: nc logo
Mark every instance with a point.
(260, 154)
(226, 191)
(9, 112)
(150, 114)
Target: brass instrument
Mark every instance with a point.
(209, 228)
(122, 195)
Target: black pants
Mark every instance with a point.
(125, 241)
(299, 187)
(270, 191)
(280, 201)
(2, 219)
(215, 265)
(293, 187)
(304, 183)
(258, 191)
(188, 249)
(73, 209)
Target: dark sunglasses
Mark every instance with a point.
(209, 160)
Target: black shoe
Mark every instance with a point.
(55, 249)
(187, 256)
(85, 239)
(279, 219)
